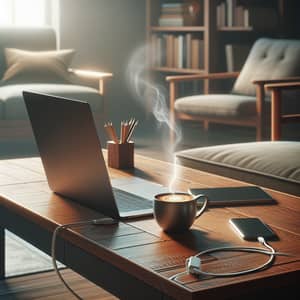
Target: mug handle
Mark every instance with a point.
(201, 210)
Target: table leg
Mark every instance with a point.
(2, 253)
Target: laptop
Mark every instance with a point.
(70, 151)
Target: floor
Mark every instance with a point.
(47, 286)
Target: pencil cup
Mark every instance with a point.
(120, 156)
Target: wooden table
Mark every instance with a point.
(133, 260)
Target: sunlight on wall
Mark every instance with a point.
(30, 12)
(5, 12)
(23, 13)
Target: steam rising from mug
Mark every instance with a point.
(145, 90)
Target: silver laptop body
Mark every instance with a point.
(71, 154)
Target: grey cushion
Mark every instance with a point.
(270, 164)
(217, 105)
(13, 105)
(268, 59)
(37, 39)
(37, 66)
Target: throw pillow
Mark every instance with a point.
(37, 66)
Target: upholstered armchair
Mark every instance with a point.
(29, 60)
(247, 104)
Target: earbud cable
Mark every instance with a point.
(196, 269)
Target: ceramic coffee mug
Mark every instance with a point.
(177, 211)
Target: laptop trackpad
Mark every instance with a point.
(138, 186)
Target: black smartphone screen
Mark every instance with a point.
(252, 228)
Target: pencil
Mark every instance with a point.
(114, 134)
(111, 132)
(131, 129)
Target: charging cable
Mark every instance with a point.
(102, 221)
(193, 263)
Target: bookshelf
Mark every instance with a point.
(192, 36)
(185, 47)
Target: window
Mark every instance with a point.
(24, 13)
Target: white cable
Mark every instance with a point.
(193, 265)
(195, 262)
(103, 221)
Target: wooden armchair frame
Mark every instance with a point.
(100, 76)
(258, 121)
(277, 118)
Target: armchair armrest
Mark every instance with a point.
(284, 85)
(100, 76)
(179, 78)
(280, 80)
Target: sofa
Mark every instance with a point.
(51, 77)
(271, 164)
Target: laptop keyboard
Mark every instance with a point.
(127, 202)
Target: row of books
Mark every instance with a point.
(177, 51)
(231, 13)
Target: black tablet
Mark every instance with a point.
(228, 196)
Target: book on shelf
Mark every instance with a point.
(236, 55)
(229, 12)
(172, 22)
(221, 13)
(246, 17)
(171, 7)
(239, 16)
(169, 50)
(180, 51)
(160, 53)
(188, 42)
(176, 50)
(197, 54)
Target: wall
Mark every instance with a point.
(105, 33)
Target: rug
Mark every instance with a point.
(23, 258)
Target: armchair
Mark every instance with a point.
(81, 84)
(269, 61)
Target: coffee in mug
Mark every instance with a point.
(177, 211)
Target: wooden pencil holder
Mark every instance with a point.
(120, 156)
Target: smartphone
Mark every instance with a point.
(251, 228)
